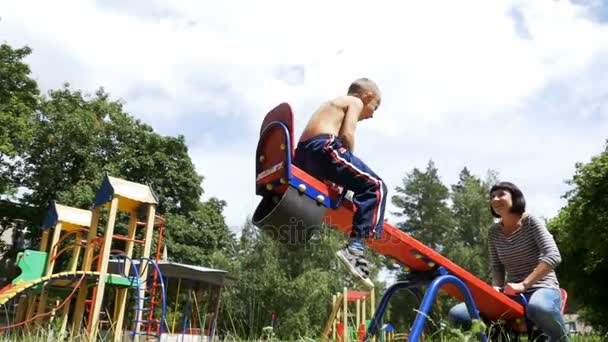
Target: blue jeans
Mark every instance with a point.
(543, 311)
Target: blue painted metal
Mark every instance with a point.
(136, 278)
(139, 300)
(312, 192)
(215, 309)
(429, 297)
(413, 281)
(437, 279)
(187, 313)
(162, 293)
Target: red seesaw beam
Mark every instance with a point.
(402, 247)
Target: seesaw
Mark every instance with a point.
(295, 205)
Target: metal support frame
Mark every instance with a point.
(436, 279)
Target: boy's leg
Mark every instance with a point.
(369, 198)
(369, 190)
(324, 157)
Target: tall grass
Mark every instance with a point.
(440, 333)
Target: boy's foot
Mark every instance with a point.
(356, 264)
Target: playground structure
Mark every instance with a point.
(340, 316)
(294, 205)
(109, 279)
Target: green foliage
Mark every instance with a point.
(294, 282)
(59, 146)
(466, 243)
(18, 102)
(581, 229)
(423, 202)
(458, 231)
(78, 139)
(192, 238)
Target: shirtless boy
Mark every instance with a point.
(325, 151)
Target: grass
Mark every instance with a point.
(45, 336)
(441, 333)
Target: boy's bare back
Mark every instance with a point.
(337, 117)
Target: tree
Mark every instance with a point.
(467, 241)
(294, 282)
(423, 203)
(581, 231)
(78, 139)
(18, 102)
(195, 236)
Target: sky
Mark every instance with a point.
(519, 87)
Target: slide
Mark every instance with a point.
(23, 286)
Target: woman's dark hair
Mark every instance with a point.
(519, 202)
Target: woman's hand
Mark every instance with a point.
(513, 289)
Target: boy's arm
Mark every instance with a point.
(349, 124)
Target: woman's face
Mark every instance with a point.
(501, 202)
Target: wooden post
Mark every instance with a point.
(364, 312)
(50, 264)
(146, 254)
(372, 310)
(73, 265)
(31, 302)
(44, 241)
(357, 314)
(333, 319)
(103, 269)
(121, 294)
(21, 309)
(345, 316)
(86, 266)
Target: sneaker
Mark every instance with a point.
(356, 263)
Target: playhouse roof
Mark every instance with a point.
(69, 217)
(130, 194)
(176, 270)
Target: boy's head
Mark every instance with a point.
(369, 93)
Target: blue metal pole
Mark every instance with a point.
(373, 327)
(162, 294)
(213, 318)
(186, 313)
(427, 303)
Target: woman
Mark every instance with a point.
(522, 248)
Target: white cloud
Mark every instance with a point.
(466, 84)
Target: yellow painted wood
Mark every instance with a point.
(121, 296)
(103, 269)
